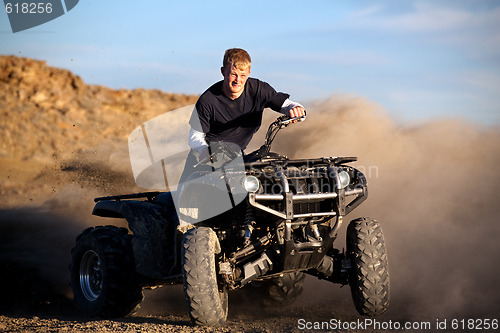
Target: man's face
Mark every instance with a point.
(234, 80)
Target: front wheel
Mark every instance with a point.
(369, 274)
(103, 276)
(206, 298)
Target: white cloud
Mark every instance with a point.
(474, 29)
(366, 12)
(428, 17)
(330, 58)
(487, 82)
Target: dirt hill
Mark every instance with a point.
(53, 123)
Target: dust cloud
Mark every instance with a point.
(36, 238)
(433, 187)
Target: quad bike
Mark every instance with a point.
(281, 224)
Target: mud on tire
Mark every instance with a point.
(207, 300)
(369, 274)
(103, 276)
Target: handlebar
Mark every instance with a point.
(273, 129)
(286, 120)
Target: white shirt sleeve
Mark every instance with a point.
(287, 105)
(197, 140)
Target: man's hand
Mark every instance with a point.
(203, 154)
(296, 111)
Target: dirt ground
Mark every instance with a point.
(163, 310)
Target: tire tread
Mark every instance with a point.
(199, 247)
(369, 278)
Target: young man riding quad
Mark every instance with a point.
(259, 221)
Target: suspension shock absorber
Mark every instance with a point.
(314, 229)
(250, 223)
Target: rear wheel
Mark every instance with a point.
(103, 274)
(280, 291)
(369, 274)
(206, 298)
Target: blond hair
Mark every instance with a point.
(238, 58)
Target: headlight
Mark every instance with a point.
(251, 184)
(344, 179)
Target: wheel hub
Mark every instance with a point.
(91, 275)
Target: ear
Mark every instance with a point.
(222, 70)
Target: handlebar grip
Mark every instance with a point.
(285, 120)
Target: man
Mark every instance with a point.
(231, 110)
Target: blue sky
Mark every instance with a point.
(417, 59)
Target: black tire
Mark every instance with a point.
(280, 291)
(369, 274)
(206, 298)
(103, 276)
